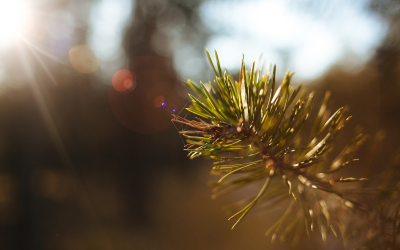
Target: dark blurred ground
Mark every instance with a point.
(84, 166)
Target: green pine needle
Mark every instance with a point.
(254, 132)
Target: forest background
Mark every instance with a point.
(89, 158)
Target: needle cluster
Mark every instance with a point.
(253, 130)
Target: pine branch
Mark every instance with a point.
(254, 132)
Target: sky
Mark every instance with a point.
(307, 37)
(292, 35)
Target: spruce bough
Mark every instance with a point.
(253, 132)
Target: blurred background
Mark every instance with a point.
(88, 156)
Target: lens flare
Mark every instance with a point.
(123, 80)
(163, 104)
(141, 110)
(159, 101)
(128, 83)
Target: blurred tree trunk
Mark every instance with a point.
(387, 61)
(154, 73)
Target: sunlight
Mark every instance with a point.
(12, 18)
(306, 41)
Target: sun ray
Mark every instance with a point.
(59, 144)
(43, 65)
(43, 52)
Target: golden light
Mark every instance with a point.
(12, 19)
